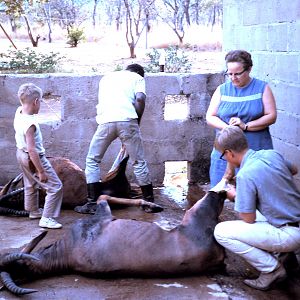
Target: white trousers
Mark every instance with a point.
(53, 187)
(130, 136)
(258, 242)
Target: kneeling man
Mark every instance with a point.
(264, 185)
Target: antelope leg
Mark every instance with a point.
(145, 205)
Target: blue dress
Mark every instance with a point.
(245, 103)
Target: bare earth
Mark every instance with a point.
(101, 58)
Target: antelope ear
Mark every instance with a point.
(221, 186)
(29, 247)
(223, 194)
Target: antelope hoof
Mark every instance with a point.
(152, 208)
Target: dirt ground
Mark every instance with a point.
(15, 232)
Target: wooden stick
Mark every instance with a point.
(8, 36)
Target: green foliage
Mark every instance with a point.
(118, 67)
(17, 7)
(75, 35)
(177, 61)
(153, 66)
(29, 61)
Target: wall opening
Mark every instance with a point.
(50, 109)
(176, 107)
(176, 180)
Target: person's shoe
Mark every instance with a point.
(36, 214)
(49, 223)
(265, 280)
(87, 208)
(147, 191)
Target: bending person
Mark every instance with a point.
(119, 111)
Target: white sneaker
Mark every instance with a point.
(36, 214)
(49, 223)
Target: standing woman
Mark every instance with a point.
(241, 101)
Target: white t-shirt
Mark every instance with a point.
(116, 96)
(22, 122)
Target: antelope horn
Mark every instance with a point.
(11, 194)
(5, 189)
(9, 211)
(12, 287)
(9, 258)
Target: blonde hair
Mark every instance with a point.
(231, 138)
(28, 92)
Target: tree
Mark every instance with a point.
(214, 10)
(95, 12)
(114, 10)
(206, 11)
(69, 13)
(47, 13)
(186, 8)
(20, 8)
(173, 14)
(137, 13)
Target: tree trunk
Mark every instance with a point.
(132, 49)
(35, 41)
(13, 25)
(129, 34)
(186, 11)
(94, 12)
(48, 19)
(180, 37)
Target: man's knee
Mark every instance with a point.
(218, 232)
(223, 231)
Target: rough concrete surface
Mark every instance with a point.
(15, 232)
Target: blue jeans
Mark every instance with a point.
(130, 136)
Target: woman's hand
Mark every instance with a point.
(237, 122)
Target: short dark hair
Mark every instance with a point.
(136, 68)
(240, 56)
(231, 138)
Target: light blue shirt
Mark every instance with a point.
(265, 182)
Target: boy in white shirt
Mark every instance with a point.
(37, 170)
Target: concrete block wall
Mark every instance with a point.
(270, 31)
(188, 139)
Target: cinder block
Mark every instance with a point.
(293, 36)
(287, 97)
(264, 65)
(290, 152)
(274, 31)
(287, 127)
(192, 83)
(251, 13)
(286, 11)
(162, 84)
(288, 67)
